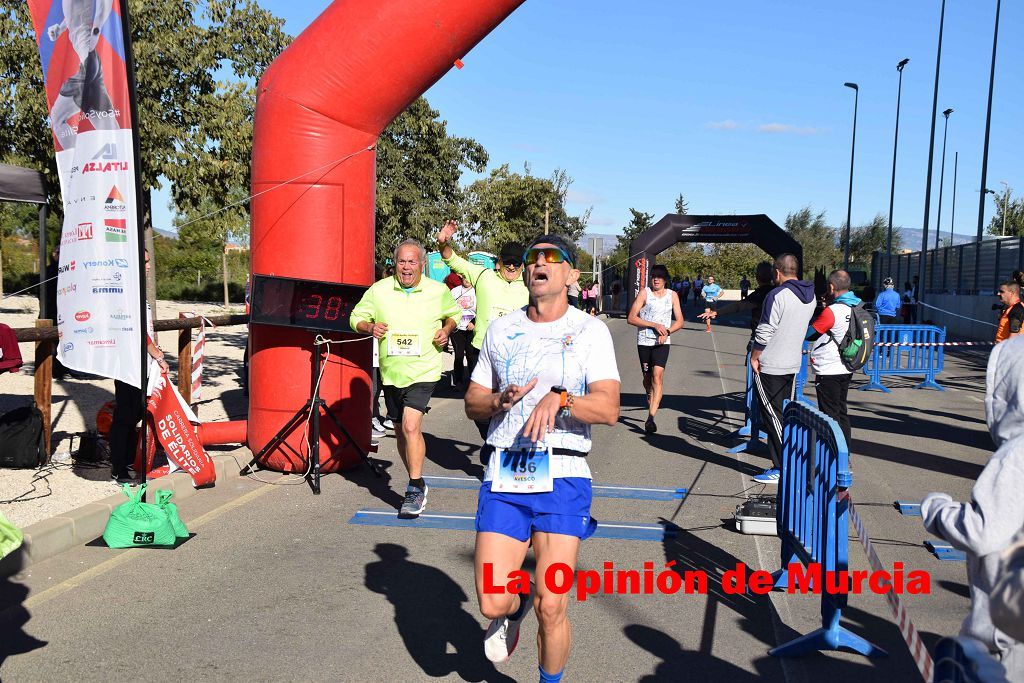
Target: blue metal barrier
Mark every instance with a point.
(751, 429)
(812, 521)
(801, 377)
(921, 360)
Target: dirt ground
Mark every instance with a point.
(28, 496)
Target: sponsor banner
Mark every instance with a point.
(171, 421)
(82, 53)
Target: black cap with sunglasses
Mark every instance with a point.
(566, 246)
(512, 254)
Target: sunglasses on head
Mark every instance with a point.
(551, 255)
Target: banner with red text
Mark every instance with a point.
(171, 421)
(81, 47)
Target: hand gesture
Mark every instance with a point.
(379, 330)
(709, 315)
(447, 231)
(542, 419)
(514, 393)
(662, 338)
(660, 330)
(441, 338)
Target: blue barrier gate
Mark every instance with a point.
(924, 360)
(812, 521)
(752, 423)
(801, 377)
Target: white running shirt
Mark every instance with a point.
(573, 351)
(655, 310)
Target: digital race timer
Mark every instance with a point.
(307, 304)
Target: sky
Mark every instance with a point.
(739, 106)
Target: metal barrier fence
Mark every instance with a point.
(964, 269)
(751, 429)
(926, 359)
(812, 522)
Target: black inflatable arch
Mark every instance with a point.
(674, 228)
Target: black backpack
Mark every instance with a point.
(21, 438)
(859, 341)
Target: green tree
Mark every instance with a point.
(865, 240)
(682, 206)
(510, 207)
(817, 238)
(1014, 212)
(193, 129)
(418, 170)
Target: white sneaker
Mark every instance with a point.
(388, 424)
(377, 426)
(377, 433)
(502, 635)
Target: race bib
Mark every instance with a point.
(403, 343)
(499, 311)
(523, 470)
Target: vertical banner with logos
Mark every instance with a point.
(82, 48)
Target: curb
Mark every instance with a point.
(55, 535)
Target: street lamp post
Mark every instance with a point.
(984, 154)
(931, 158)
(952, 217)
(942, 175)
(849, 202)
(892, 187)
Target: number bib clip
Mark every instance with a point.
(403, 343)
(523, 470)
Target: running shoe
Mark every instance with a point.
(768, 477)
(649, 426)
(388, 424)
(377, 426)
(415, 501)
(502, 634)
(377, 433)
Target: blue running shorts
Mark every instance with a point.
(565, 510)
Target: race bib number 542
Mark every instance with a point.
(404, 344)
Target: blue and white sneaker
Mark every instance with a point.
(415, 501)
(768, 477)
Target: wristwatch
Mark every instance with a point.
(564, 399)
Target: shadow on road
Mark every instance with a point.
(13, 616)
(430, 616)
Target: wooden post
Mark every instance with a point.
(185, 362)
(44, 383)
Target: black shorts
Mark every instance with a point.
(651, 356)
(710, 305)
(415, 396)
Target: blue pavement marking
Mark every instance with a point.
(908, 509)
(599, 490)
(944, 551)
(464, 521)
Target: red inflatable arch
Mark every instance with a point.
(319, 109)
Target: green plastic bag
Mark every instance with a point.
(163, 501)
(10, 537)
(138, 525)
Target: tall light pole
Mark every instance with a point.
(952, 218)
(849, 202)
(892, 187)
(984, 154)
(942, 176)
(931, 160)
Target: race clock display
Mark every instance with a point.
(306, 304)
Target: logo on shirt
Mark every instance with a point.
(515, 336)
(567, 341)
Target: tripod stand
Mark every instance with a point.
(311, 412)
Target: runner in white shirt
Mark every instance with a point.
(465, 297)
(652, 313)
(545, 374)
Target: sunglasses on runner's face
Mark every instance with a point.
(551, 255)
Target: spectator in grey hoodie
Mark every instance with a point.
(985, 527)
(776, 353)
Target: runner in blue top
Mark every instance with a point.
(711, 292)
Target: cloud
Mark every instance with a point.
(727, 124)
(789, 129)
(582, 197)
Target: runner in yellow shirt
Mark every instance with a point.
(498, 292)
(411, 317)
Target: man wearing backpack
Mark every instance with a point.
(843, 335)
